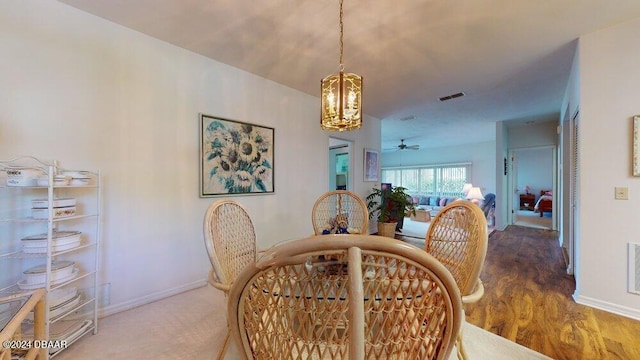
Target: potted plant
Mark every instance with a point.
(391, 205)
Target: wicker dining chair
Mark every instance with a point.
(339, 210)
(230, 239)
(458, 238)
(345, 297)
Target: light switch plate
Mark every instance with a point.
(622, 193)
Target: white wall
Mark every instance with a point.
(93, 94)
(542, 133)
(609, 93)
(482, 155)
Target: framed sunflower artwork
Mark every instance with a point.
(236, 158)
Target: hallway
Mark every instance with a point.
(532, 219)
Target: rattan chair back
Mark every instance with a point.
(345, 297)
(340, 207)
(457, 237)
(230, 239)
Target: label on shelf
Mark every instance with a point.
(23, 177)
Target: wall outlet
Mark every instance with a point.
(622, 193)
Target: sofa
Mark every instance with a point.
(434, 202)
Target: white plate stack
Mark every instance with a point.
(35, 277)
(60, 241)
(63, 207)
(67, 331)
(78, 178)
(62, 330)
(58, 180)
(61, 301)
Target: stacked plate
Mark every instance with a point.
(67, 331)
(63, 207)
(78, 177)
(60, 241)
(58, 180)
(63, 330)
(61, 301)
(63, 308)
(36, 276)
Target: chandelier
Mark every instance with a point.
(341, 103)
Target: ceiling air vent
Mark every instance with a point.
(453, 96)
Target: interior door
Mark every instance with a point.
(569, 184)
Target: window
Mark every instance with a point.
(440, 180)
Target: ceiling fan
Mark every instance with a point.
(404, 146)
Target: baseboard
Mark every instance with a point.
(127, 305)
(608, 307)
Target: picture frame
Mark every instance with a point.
(636, 146)
(236, 157)
(371, 165)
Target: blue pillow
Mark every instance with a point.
(424, 200)
(433, 201)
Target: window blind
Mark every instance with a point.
(440, 180)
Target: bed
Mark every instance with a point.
(544, 203)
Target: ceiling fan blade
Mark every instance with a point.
(404, 146)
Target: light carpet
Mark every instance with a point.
(192, 325)
(531, 219)
(415, 229)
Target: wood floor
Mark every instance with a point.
(528, 300)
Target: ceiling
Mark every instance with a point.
(511, 58)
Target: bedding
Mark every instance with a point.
(544, 203)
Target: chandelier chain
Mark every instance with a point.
(341, 41)
(341, 94)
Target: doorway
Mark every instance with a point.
(340, 164)
(533, 177)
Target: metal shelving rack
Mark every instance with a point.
(15, 204)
